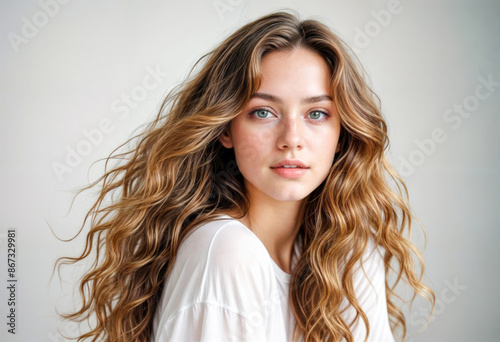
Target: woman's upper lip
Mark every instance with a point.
(291, 162)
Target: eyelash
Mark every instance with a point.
(255, 110)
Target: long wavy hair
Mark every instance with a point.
(178, 176)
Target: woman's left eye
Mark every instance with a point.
(316, 114)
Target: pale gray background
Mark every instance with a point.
(70, 74)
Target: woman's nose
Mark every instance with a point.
(290, 134)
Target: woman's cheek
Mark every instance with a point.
(253, 145)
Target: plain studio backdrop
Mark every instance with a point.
(79, 77)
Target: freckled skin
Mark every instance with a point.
(288, 130)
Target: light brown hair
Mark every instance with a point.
(179, 176)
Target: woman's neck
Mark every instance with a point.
(276, 224)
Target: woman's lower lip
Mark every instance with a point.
(289, 172)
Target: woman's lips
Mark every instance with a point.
(290, 162)
(290, 172)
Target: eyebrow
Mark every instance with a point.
(278, 100)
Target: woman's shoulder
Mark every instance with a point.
(231, 250)
(222, 273)
(222, 240)
(221, 259)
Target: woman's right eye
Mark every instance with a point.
(261, 113)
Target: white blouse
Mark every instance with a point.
(224, 286)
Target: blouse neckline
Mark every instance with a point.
(280, 274)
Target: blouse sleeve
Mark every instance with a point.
(369, 287)
(205, 322)
(227, 295)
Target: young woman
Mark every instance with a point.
(257, 206)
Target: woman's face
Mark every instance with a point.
(291, 120)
